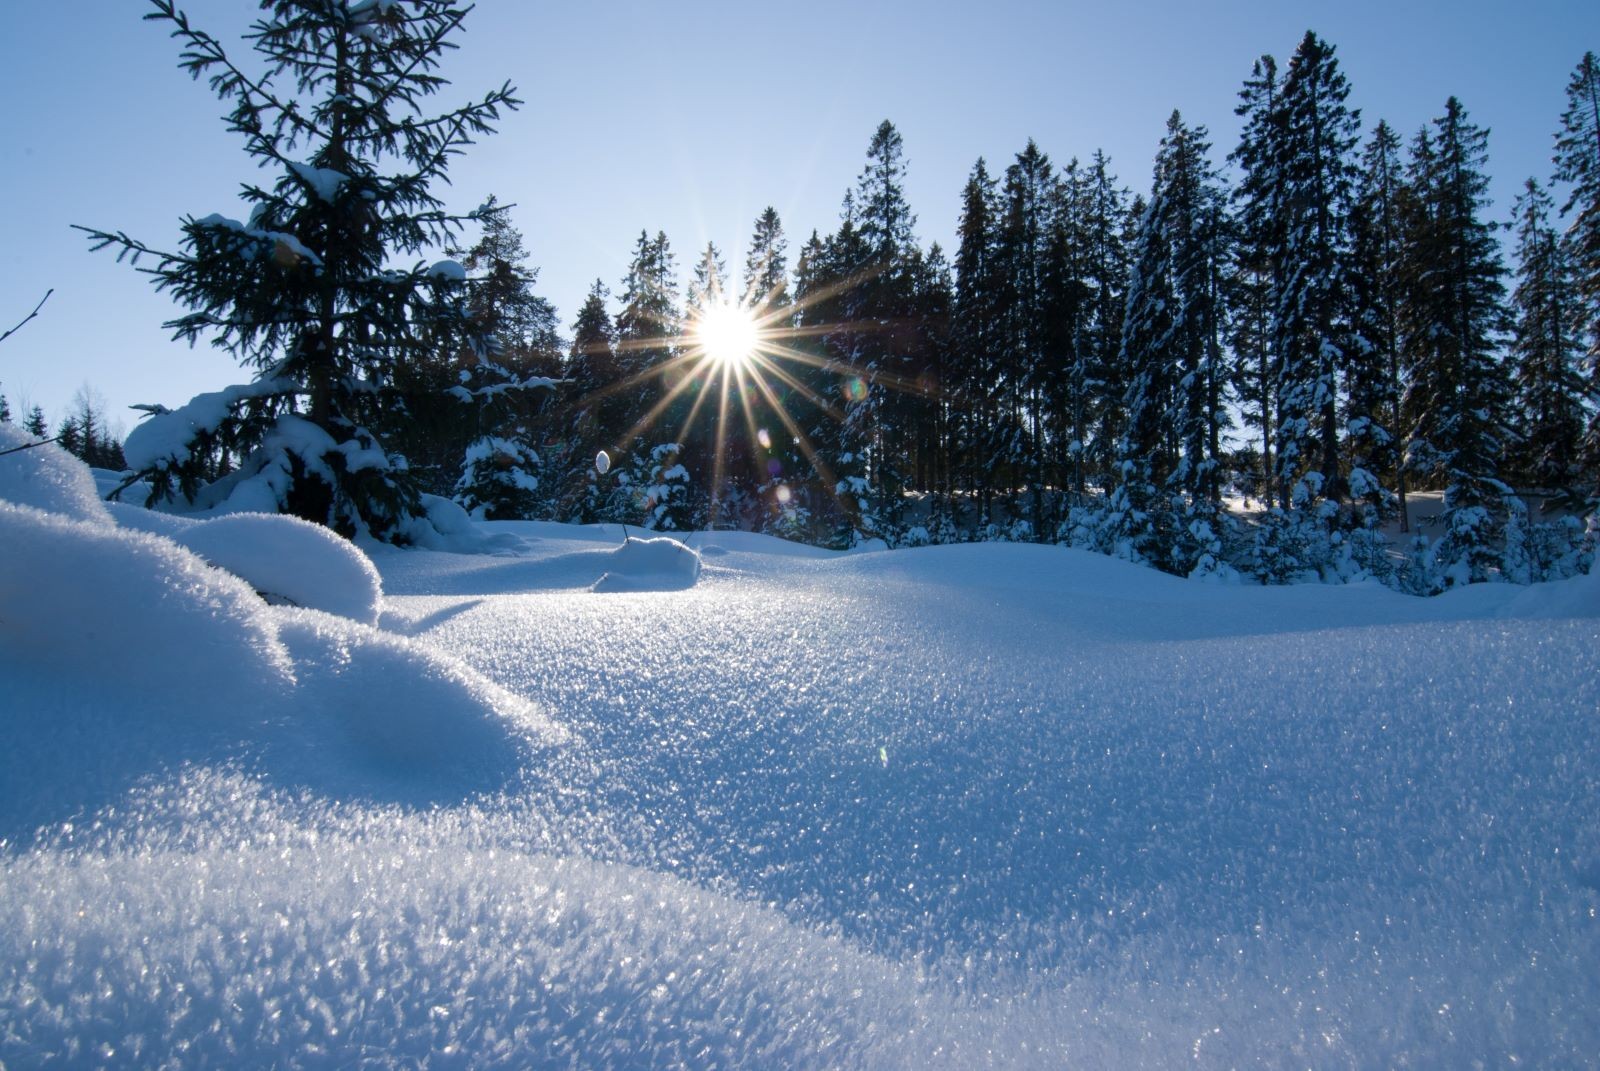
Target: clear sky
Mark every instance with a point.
(691, 118)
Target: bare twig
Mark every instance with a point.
(30, 315)
(29, 446)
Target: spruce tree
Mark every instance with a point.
(35, 424)
(1098, 400)
(1577, 161)
(647, 325)
(883, 357)
(1319, 133)
(1260, 271)
(1027, 360)
(1546, 348)
(976, 341)
(596, 407)
(1165, 508)
(306, 290)
(766, 266)
(5, 410)
(1373, 383)
(1452, 326)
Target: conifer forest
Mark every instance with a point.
(1243, 365)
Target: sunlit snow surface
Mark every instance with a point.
(950, 807)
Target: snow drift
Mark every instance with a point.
(126, 654)
(1005, 806)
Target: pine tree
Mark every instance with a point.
(450, 404)
(648, 323)
(1164, 510)
(976, 340)
(1027, 360)
(882, 355)
(594, 379)
(1317, 134)
(1098, 398)
(1452, 325)
(766, 267)
(1260, 272)
(35, 424)
(70, 437)
(306, 290)
(709, 285)
(1546, 347)
(1372, 411)
(5, 410)
(1577, 161)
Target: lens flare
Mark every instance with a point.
(727, 333)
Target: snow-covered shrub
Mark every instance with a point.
(1281, 553)
(667, 498)
(784, 513)
(289, 561)
(499, 480)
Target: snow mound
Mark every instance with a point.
(81, 600)
(48, 478)
(445, 526)
(388, 942)
(288, 560)
(125, 654)
(659, 564)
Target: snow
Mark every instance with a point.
(1001, 805)
(47, 477)
(161, 439)
(273, 243)
(323, 181)
(659, 564)
(450, 271)
(290, 561)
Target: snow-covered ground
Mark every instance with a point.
(601, 802)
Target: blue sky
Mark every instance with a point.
(691, 118)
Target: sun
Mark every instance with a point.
(727, 334)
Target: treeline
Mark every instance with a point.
(1334, 328)
(1322, 329)
(85, 432)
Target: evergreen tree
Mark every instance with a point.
(975, 334)
(709, 285)
(35, 424)
(70, 437)
(1097, 398)
(451, 404)
(1546, 347)
(1577, 161)
(597, 409)
(306, 290)
(499, 480)
(1317, 134)
(766, 266)
(523, 326)
(845, 430)
(1372, 410)
(1164, 511)
(646, 326)
(1260, 273)
(5, 410)
(1452, 325)
(1027, 360)
(884, 316)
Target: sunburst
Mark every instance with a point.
(737, 351)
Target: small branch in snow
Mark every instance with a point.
(28, 317)
(28, 446)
